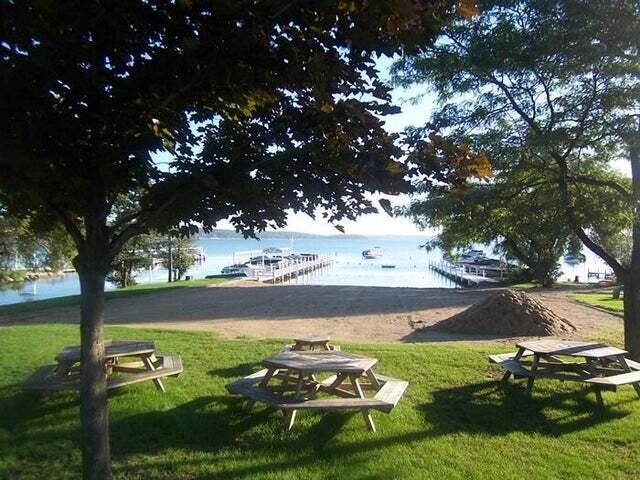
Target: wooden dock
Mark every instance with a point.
(287, 270)
(460, 276)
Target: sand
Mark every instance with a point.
(508, 313)
(373, 314)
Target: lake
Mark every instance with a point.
(349, 267)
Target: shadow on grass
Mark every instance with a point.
(496, 409)
(217, 425)
(235, 371)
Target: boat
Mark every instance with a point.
(372, 253)
(233, 270)
(258, 262)
(575, 259)
(388, 266)
(472, 256)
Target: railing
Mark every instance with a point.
(288, 269)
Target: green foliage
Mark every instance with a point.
(549, 92)
(21, 244)
(136, 254)
(182, 252)
(257, 108)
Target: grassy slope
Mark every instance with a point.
(602, 300)
(141, 289)
(452, 423)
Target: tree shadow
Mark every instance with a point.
(497, 409)
(235, 371)
(217, 425)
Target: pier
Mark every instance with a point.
(276, 265)
(288, 269)
(462, 276)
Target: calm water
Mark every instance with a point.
(349, 268)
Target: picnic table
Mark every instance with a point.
(596, 364)
(290, 382)
(312, 342)
(146, 365)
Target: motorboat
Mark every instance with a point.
(372, 253)
(472, 256)
(575, 259)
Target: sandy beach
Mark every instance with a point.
(372, 314)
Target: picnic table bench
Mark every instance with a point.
(148, 366)
(350, 376)
(603, 367)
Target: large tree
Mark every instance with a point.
(264, 106)
(563, 76)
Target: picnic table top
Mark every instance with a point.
(113, 349)
(320, 361)
(571, 348)
(313, 339)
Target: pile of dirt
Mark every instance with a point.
(508, 313)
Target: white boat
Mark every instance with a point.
(575, 259)
(258, 262)
(372, 253)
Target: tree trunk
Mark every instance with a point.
(632, 314)
(94, 415)
(170, 262)
(632, 275)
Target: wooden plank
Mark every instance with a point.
(391, 392)
(513, 366)
(113, 349)
(559, 347)
(45, 378)
(500, 357)
(365, 411)
(600, 352)
(320, 361)
(152, 368)
(336, 404)
(616, 380)
(633, 365)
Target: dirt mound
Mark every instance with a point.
(508, 313)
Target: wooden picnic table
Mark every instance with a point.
(298, 371)
(596, 364)
(65, 375)
(312, 343)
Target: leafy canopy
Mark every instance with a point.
(258, 107)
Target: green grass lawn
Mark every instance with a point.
(453, 421)
(556, 286)
(600, 299)
(141, 289)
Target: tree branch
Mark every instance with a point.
(599, 182)
(516, 106)
(118, 241)
(600, 251)
(70, 226)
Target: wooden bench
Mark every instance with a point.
(47, 378)
(385, 399)
(612, 382)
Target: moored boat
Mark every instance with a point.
(372, 253)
